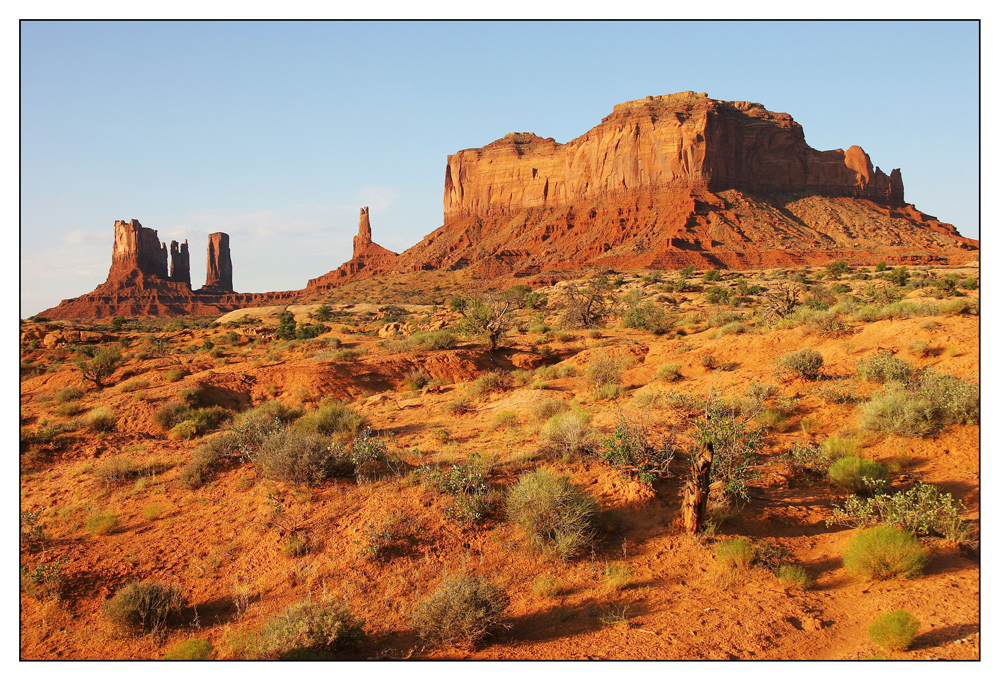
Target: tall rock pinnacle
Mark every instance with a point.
(180, 263)
(364, 238)
(137, 251)
(220, 265)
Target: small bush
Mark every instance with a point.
(144, 607)
(68, 409)
(606, 371)
(415, 380)
(733, 328)
(548, 408)
(309, 631)
(858, 475)
(793, 576)
(709, 362)
(899, 412)
(491, 382)
(439, 339)
(153, 511)
(332, 418)
(668, 372)
(169, 414)
(70, 394)
(301, 457)
(191, 396)
(883, 368)
(546, 586)
(463, 610)
(554, 515)
(834, 448)
(894, 631)
(191, 649)
(462, 405)
(133, 385)
(103, 522)
(173, 375)
(772, 419)
(617, 575)
(506, 420)
(568, 434)
(805, 363)
(922, 509)
(737, 553)
(121, 468)
(102, 420)
(632, 452)
(884, 552)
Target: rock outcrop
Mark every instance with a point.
(219, 272)
(685, 140)
(139, 285)
(669, 181)
(180, 263)
(368, 257)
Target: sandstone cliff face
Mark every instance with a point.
(368, 257)
(219, 276)
(685, 141)
(137, 251)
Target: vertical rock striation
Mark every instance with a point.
(220, 265)
(137, 252)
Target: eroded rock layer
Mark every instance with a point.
(368, 258)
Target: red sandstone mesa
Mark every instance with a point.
(660, 183)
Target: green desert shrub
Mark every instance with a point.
(208, 458)
(884, 552)
(297, 456)
(923, 509)
(102, 420)
(415, 380)
(956, 401)
(856, 474)
(491, 382)
(191, 649)
(173, 375)
(554, 514)
(332, 418)
(793, 576)
(144, 607)
(464, 610)
(439, 339)
(894, 631)
(737, 553)
(548, 408)
(102, 523)
(668, 372)
(308, 631)
(633, 452)
(70, 394)
(899, 411)
(834, 448)
(805, 363)
(68, 409)
(883, 367)
(568, 435)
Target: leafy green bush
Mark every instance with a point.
(332, 418)
(144, 607)
(463, 610)
(568, 434)
(97, 365)
(858, 475)
(922, 509)
(297, 456)
(805, 363)
(191, 649)
(884, 552)
(647, 316)
(883, 367)
(554, 515)
(102, 420)
(735, 446)
(894, 631)
(737, 553)
(631, 451)
(309, 631)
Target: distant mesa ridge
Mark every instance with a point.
(661, 183)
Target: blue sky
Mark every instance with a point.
(278, 132)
